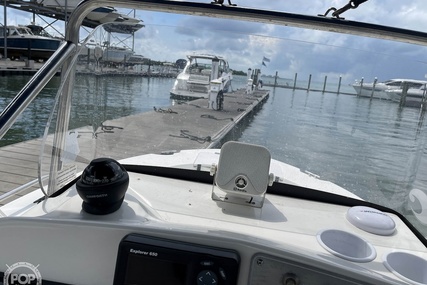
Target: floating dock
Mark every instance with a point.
(185, 125)
(29, 68)
(19, 67)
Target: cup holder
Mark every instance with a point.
(408, 267)
(346, 245)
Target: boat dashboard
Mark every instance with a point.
(76, 254)
(169, 231)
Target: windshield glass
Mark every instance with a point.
(312, 98)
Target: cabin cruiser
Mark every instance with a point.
(122, 194)
(22, 43)
(39, 30)
(410, 97)
(117, 54)
(378, 89)
(195, 80)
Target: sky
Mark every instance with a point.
(168, 37)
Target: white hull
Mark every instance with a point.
(104, 17)
(368, 91)
(102, 14)
(117, 55)
(414, 97)
(379, 90)
(195, 90)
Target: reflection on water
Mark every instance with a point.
(322, 132)
(28, 124)
(102, 98)
(317, 132)
(117, 97)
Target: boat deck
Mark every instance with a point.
(201, 128)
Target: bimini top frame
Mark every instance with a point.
(248, 14)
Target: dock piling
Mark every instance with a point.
(373, 87)
(361, 86)
(275, 79)
(324, 84)
(424, 98)
(405, 87)
(295, 80)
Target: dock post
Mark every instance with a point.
(361, 86)
(424, 99)
(309, 82)
(324, 83)
(295, 80)
(4, 31)
(339, 85)
(405, 87)
(373, 87)
(275, 80)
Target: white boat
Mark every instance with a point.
(148, 198)
(117, 54)
(195, 80)
(102, 15)
(107, 13)
(377, 89)
(414, 96)
(136, 59)
(22, 43)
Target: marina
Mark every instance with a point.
(204, 128)
(309, 85)
(348, 117)
(30, 67)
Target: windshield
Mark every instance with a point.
(306, 95)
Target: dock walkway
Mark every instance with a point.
(187, 125)
(15, 67)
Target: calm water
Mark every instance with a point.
(314, 131)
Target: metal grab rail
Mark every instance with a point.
(34, 86)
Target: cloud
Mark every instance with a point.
(295, 50)
(168, 37)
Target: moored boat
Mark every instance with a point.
(22, 43)
(117, 54)
(104, 14)
(195, 80)
(378, 89)
(411, 97)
